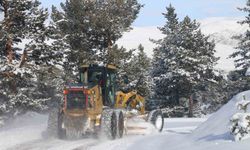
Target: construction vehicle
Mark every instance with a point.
(94, 106)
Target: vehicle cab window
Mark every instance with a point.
(110, 84)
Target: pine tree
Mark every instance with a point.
(183, 59)
(69, 31)
(198, 54)
(90, 28)
(134, 66)
(24, 21)
(237, 80)
(120, 57)
(20, 67)
(242, 55)
(137, 71)
(166, 48)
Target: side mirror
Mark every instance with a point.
(125, 79)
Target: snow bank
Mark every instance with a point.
(217, 126)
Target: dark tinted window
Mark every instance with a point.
(94, 76)
(110, 84)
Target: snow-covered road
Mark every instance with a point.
(25, 133)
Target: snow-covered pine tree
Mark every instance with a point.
(134, 66)
(238, 81)
(119, 15)
(183, 60)
(240, 121)
(242, 54)
(90, 28)
(20, 84)
(120, 57)
(197, 62)
(211, 96)
(137, 71)
(166, 48)
(70, 30)
(42, 50)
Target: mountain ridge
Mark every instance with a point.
(220, 29)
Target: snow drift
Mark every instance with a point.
(217, 126)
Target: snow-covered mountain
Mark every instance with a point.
(220, 29)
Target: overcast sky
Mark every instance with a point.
(150, 15)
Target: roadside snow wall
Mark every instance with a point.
(217, 126)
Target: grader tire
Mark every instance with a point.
(156, 118)
(109, 123)
(55, 121)
(61, 133)
(120, 124)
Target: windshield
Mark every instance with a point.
(90, 75)
(94, 76)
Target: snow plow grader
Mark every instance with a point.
(94, 106)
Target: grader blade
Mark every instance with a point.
(138, 125)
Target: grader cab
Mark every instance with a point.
(94, 106)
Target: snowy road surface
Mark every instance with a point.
(25, 133)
